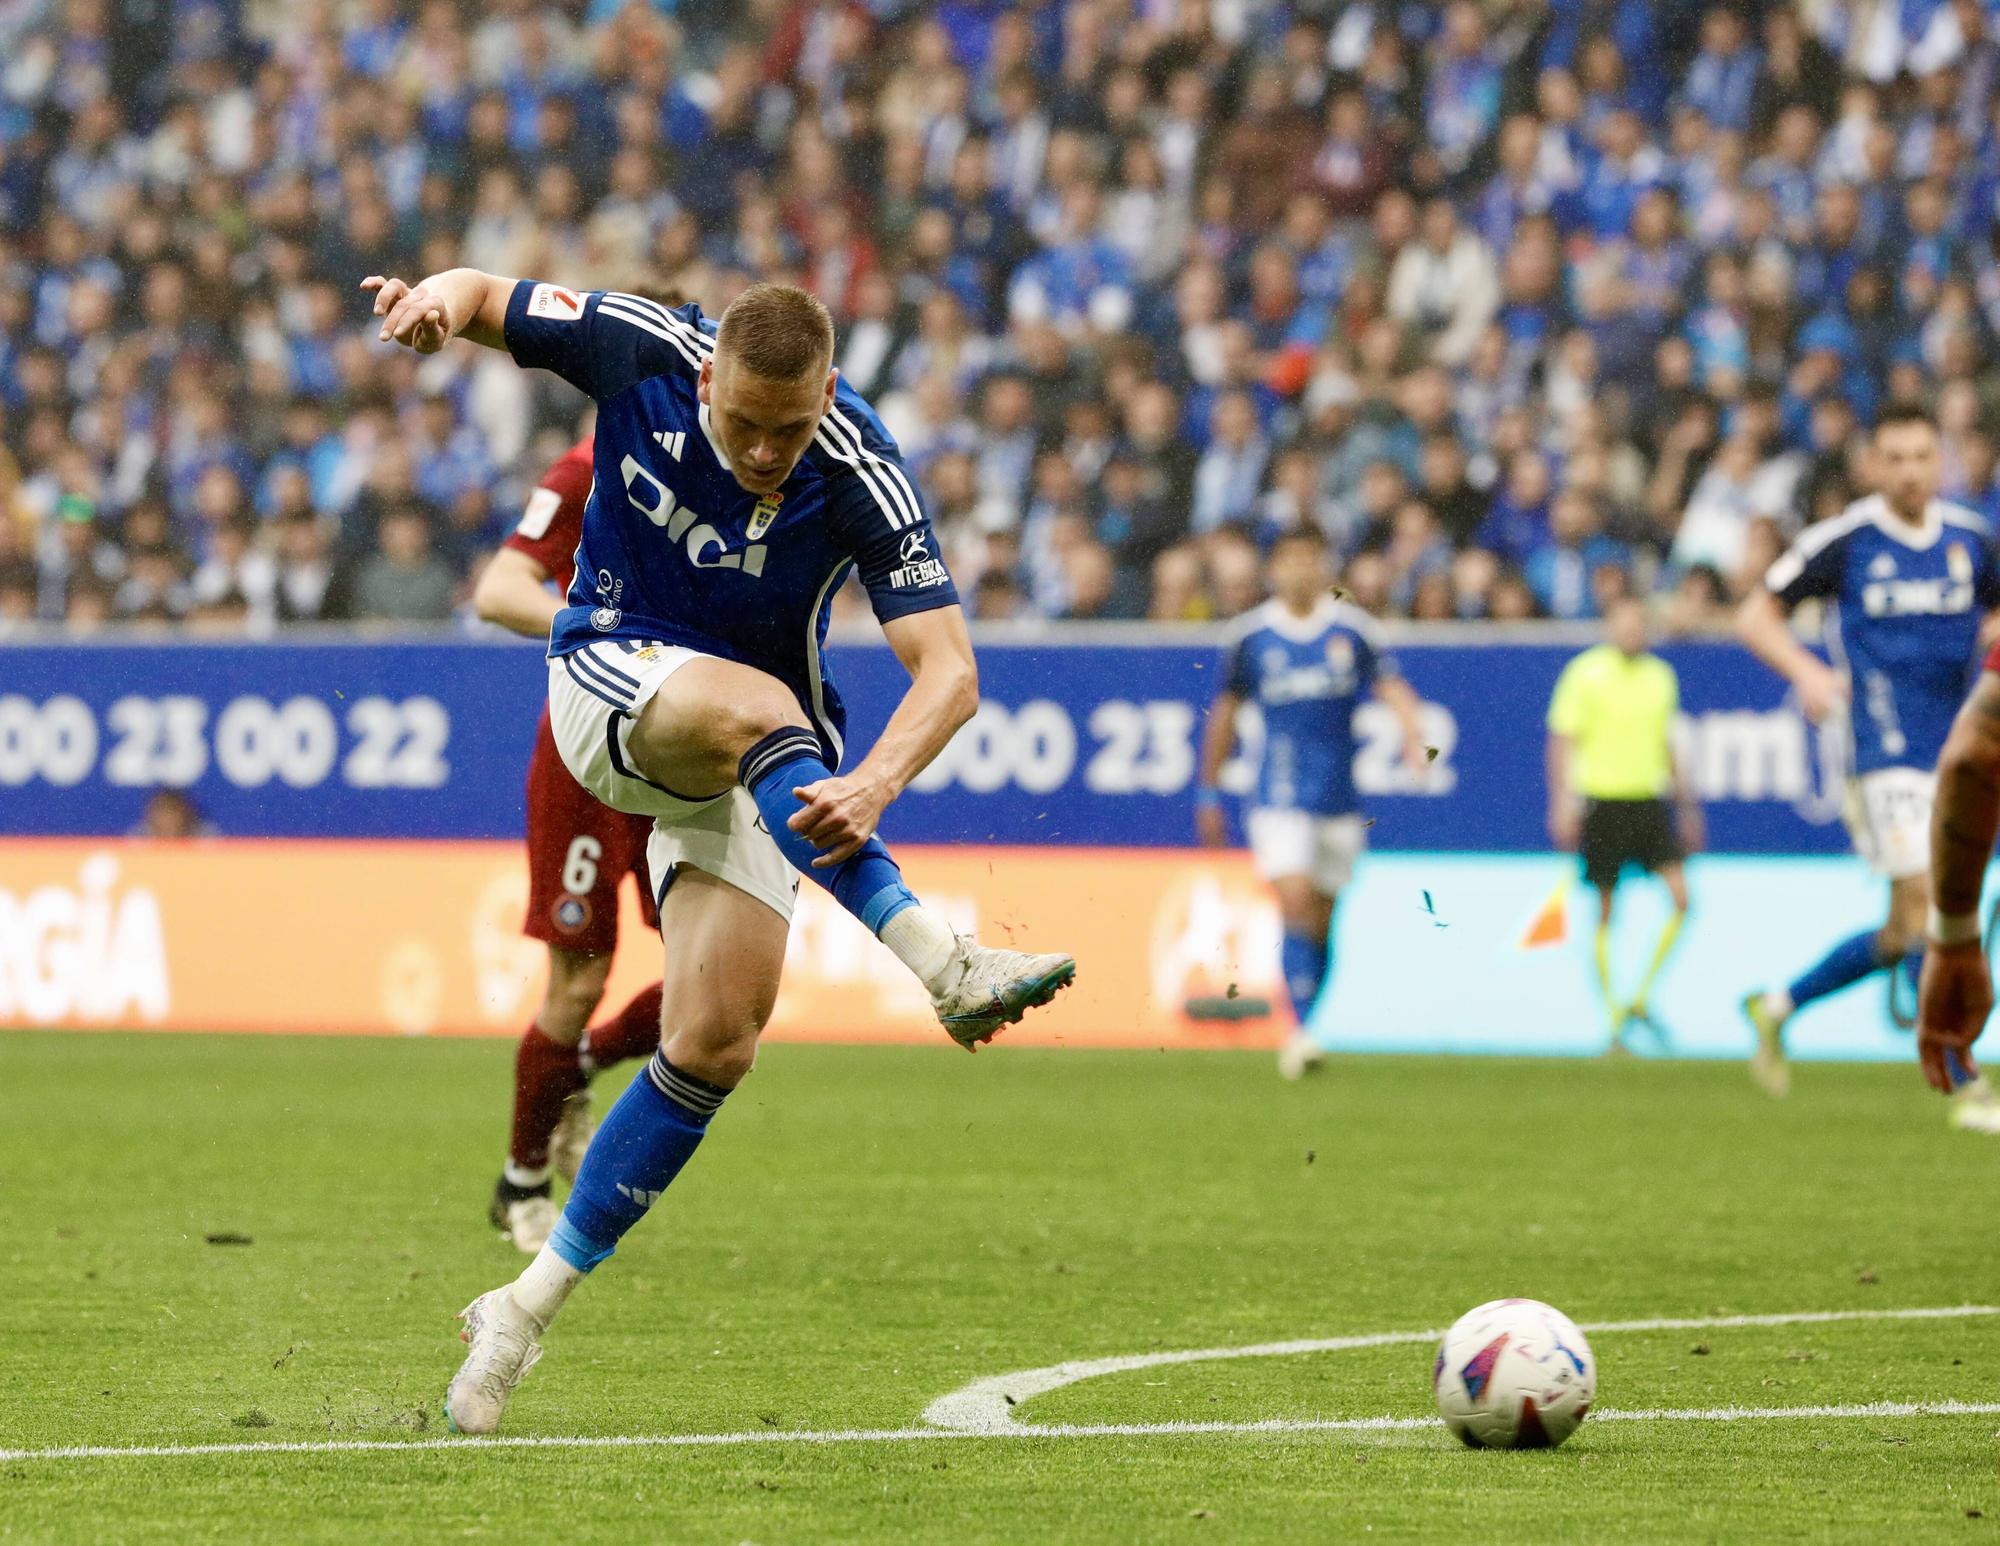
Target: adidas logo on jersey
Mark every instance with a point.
(671, 441)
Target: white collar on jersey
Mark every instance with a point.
(1921, 537)
(708, 431)
(1290, 626)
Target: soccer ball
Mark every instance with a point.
(1514, 1374)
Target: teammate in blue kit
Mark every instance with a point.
(1907, 579)
(738, 481)
(1307, 660)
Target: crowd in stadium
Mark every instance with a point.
(1527, 304)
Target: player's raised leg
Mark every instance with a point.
(716, 722)
(721, 980)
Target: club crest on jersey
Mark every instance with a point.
(762, 517)
(604, 619)
(1340, 654)
(571, 913)
(1958, 563)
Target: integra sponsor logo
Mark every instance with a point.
(918, 568)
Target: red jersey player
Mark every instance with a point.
(579, 853)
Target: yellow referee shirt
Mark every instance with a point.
(1617, 711)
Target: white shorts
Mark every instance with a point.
(1889, 817)
(1300, 843)
(595, 695)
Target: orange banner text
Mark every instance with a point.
(422, 938)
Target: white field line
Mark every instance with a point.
(1086, 1370)
(771, 1436)
(988, 1405)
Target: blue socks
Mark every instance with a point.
(651, 1131)
(1304, 961)
(1847, 963)
(869, 884)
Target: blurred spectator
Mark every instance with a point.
(1444, 285)
(404, 582)
(307, 590)
(172, 816)
(1563, 570)
(1231, 470)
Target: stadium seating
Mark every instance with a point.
(1528, 303)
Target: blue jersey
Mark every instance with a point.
(1905, 604)
(1307, 675)
(674, 549)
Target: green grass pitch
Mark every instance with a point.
(869, 1229)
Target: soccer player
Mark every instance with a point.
(1955, 995)
(1907, 578)
(579, 853)
(738, 482)
(1612, 768)
(1307, 660)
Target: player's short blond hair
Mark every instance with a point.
(779, 332)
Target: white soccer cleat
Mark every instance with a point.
(1975, 1108)
(571, 1137)
(1767, 1062)
(1299, 1056)
(502, 1339)
(995, 988)
(527, 1221)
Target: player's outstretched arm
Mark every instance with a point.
(1218, 745)
(839, 814)
(1956, 993)
(1762, 625)
(458, 303)
(1404, 703)
(513, 592)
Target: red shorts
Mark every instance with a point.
(578, 853)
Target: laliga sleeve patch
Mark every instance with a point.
(543, 504)
(555, 303)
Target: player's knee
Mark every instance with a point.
(720, 1049)
(741, 724)
(1896, 939)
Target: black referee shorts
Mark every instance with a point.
(1621, 832)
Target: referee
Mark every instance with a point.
(1612, 769)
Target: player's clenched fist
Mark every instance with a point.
(838, 815)
(412, 317)
(1954, 997)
